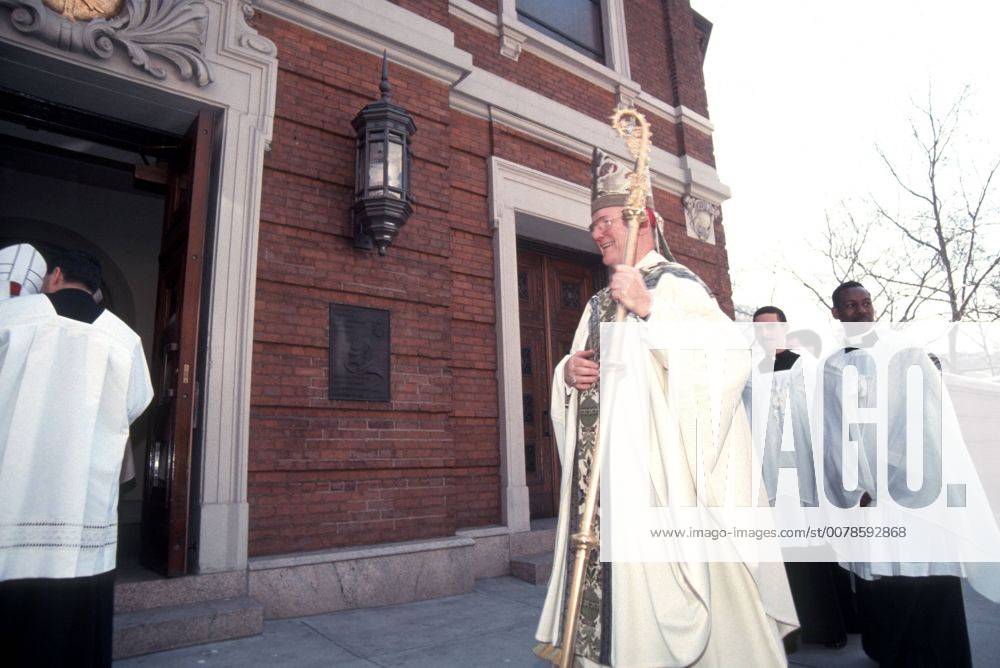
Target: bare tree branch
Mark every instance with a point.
(940, 248)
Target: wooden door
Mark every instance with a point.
(553, 289)
(166, 492)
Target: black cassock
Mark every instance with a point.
(914, 622)
(57, 622)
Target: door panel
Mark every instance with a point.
(553, 289)
(537, 426)
(166, 492)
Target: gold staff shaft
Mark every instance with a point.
(585, 540)
(633, 126)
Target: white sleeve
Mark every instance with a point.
(140, 389)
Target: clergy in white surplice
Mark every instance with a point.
(73, 377)
(678, 613)
(777, 399)
(909, 594)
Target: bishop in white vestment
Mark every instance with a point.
(652, 614)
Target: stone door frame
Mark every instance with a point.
(519, 190)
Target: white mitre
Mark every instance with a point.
(22, 269)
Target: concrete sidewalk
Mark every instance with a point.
(492, 626)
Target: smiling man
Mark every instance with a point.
(652, 614)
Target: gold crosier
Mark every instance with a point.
(632, 126)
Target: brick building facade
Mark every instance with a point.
(333, 473)
(301, 504)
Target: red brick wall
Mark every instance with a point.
(433, 10)
(695, 143)
(328, 473)
(649, 58)
(331, 473)
(687, 75)
(648, 50)
(665, 59)
(533, 72)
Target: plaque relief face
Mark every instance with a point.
(85, 10)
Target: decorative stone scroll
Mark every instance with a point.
(701, 217)
(150, 31)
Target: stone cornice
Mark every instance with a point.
(488, 96)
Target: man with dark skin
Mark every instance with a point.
(905, 620)
(852, 303)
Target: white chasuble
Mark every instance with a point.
(673, 614)
(68, 392)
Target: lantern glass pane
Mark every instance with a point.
(395, 165)
(376, 161)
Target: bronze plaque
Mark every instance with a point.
(359, 353)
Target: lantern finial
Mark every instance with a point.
(384, 86)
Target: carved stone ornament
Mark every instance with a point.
(511, 41)
(150, 31)
(249, 39)
(701, 217)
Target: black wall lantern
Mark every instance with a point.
(382, 200)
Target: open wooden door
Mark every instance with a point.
(166, 492)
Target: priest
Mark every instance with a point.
(650, 614)
(73, 377)
(777, 401)
(911, 608)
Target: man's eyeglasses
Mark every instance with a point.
(604, 223)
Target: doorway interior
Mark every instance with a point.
(70, 178)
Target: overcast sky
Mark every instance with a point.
(800, 92)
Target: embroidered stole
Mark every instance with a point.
(593, 639)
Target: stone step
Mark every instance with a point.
(165, 592)
(532, 568)
(541, 538)
(158, 629)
